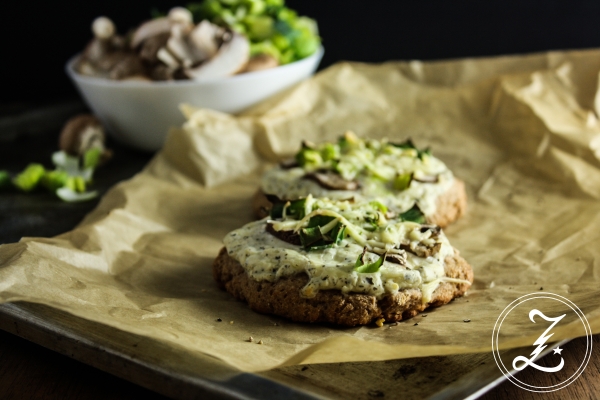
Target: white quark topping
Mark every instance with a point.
(266, 257)
(375, 165)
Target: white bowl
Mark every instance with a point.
(139, 114)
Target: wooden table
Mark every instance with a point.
(29, 371)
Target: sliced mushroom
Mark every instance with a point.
(426, 178)
(206, 38)
(332, 181)
(99, 47)
(420, 250)
(129, 65)
(261, 62)
(150, 28)
(103, 28)
(151, 46)
(178, 47)
(181, 15)
(396, 258)
(286, 236)
(230, 59)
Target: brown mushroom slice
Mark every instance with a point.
(399, 259)
(150, 28)
(151, 46)
(261, 62)
(286, 236)
(332, 181)
(129, 65)
(229, 60)
(421, 250)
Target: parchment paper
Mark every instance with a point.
(521, 131)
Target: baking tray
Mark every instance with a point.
(182, 375)
(172, 371)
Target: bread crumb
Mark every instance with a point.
(231, 322)
(250, 339)
(380, 322)
(260, 342)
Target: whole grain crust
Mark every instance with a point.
(282, 297)
(450, 206)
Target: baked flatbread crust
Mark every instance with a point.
(283, 298)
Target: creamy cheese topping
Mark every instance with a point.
(375, 165)
(265, 257)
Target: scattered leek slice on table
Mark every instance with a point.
(68, 181)
(30, 177)
(4, 179)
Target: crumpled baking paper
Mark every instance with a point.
(521, 131)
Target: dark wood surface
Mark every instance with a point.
(29, 371)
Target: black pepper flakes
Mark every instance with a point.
(466, 320)
(416, 323)
(219, 320)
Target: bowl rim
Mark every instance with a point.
(315, 57)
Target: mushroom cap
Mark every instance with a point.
(151, 46)
(70, 139)
(103, 28)
(205, 38)
(129, 65)
(180, 15)
(230, 59)
(150, 28)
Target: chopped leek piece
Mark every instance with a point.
(68, 195)
(364, 268)
(53, 180)
(91, 158)
(378, 205)
(4, 179)
(30, 177)
(402, 182)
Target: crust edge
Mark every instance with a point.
(282, 297)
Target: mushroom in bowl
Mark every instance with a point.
(136, 82)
